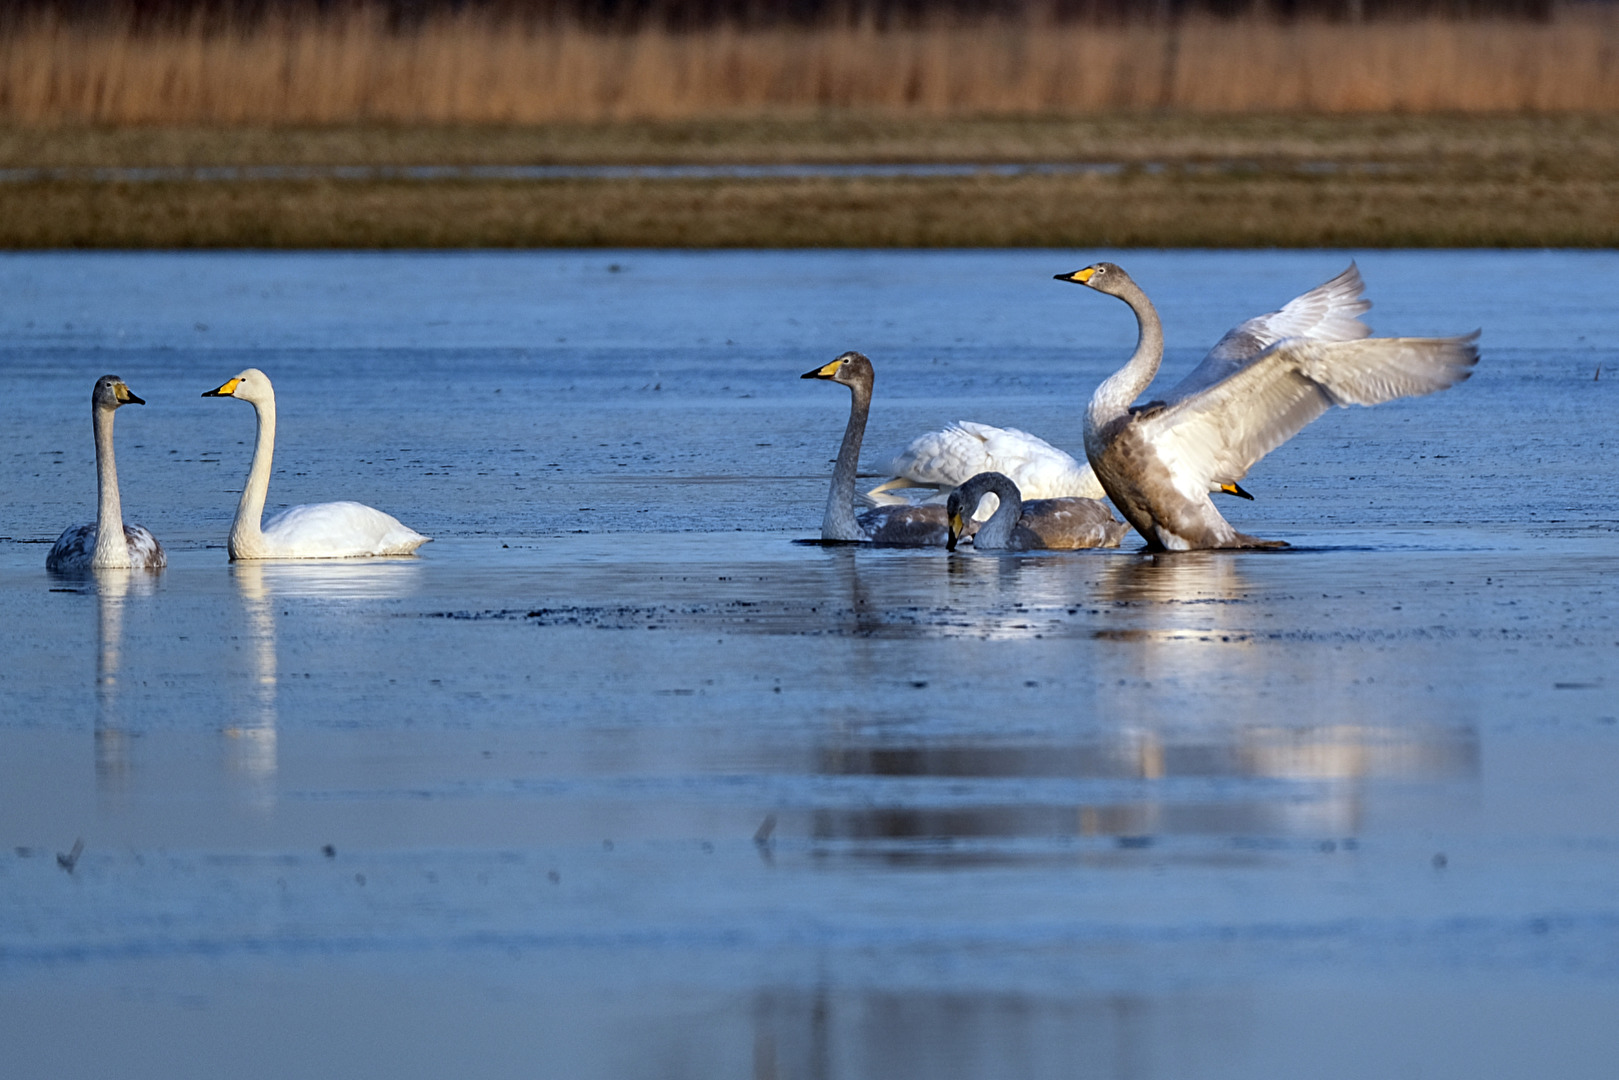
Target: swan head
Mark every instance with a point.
(962, 505)
(251, 385)
(851, 369)
(1103, 277)
(111, 392)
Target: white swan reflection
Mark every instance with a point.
(251, 730)
(1186, 709)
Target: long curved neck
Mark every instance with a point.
(839, 522)
(244, 531)
(997, 531)
(112, 549)
(1114, 397)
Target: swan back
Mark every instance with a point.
(954, 454)
(337, 530)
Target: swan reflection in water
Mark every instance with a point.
(114, 588)
(921, 1033)
(251, 733)
(1185, 717)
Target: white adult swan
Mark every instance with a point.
(899, 526)
(1158, 462)
(948, 457)
(109, 543)
(1039, 524)
(336, 530)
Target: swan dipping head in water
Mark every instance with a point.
(108, 543)
(335, 530)
(1037, 525)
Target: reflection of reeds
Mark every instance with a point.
(478, 68)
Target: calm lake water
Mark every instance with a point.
(614, 780)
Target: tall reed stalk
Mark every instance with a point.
(482, 69)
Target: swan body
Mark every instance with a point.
(899, 526)
(1259, 388)
(947, 458)
(1039, 524)
(336, 530)
(107, 543)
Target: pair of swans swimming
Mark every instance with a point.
(336, 530)
(1159, 462)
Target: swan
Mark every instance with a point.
(899, 526)
(109, 543)
(335, 530)
(1158, 462)
(946, 458)
(1031, 526)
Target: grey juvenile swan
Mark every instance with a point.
(1159, 461)
(949, 456)
(108, 543)
(1040, 524)
(900, 526)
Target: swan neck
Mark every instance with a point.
(997, 531)
(245, 535)
(1114, 397)
(112, 548)
(839, 522)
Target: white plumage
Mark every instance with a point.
(336, 530)
(1160, 460)
(108, 543)
(938, 458)
(951, 456)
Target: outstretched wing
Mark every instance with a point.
(950, 457)
(1329, 312)
(1222, 431)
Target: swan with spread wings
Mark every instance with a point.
(948, 457)
(1260, 386)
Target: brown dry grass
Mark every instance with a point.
(475, 69)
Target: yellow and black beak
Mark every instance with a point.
(825, 371)
(126, 396)
(955, 532)
(1078, 277)
(1234, 488)
(227, 390)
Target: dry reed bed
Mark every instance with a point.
(473, 70)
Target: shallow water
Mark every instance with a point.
(618, 781)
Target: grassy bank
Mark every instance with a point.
(1233, 181)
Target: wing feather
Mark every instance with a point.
(1328, 312)
(951, 456)
(1219, 433)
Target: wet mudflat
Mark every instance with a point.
(616, 780)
